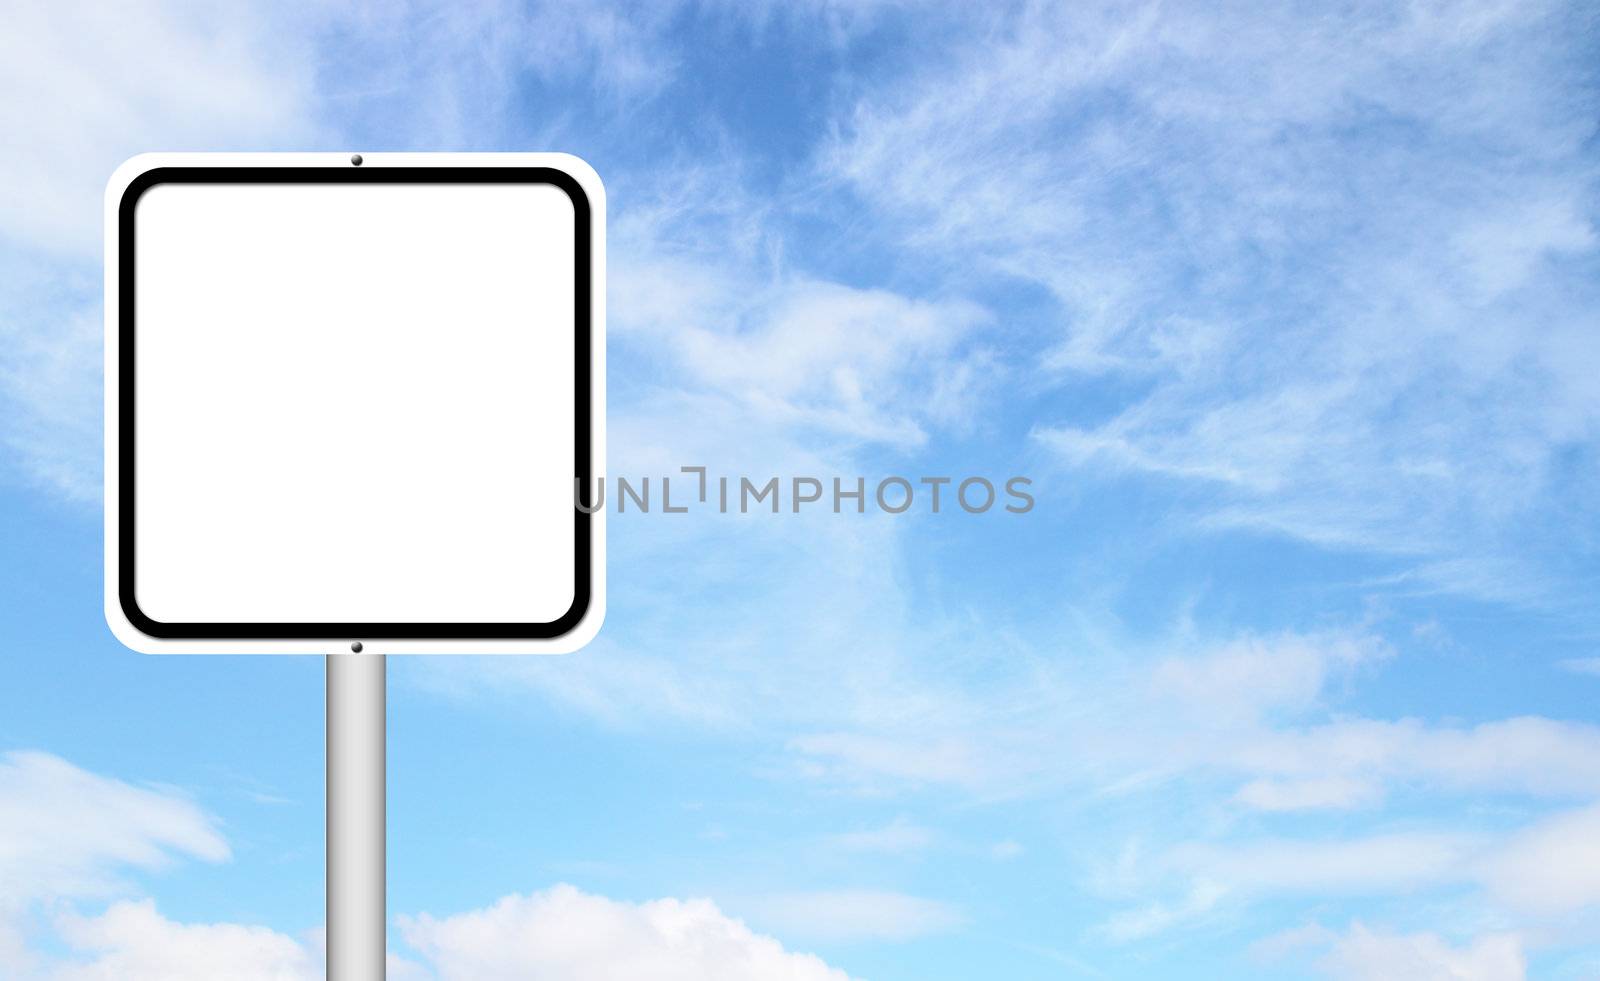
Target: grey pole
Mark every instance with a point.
(355, 833)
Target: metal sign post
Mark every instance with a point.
(355, 835)
(319, 362)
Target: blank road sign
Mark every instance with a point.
(350, 402)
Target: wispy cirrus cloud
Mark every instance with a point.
(1542, 876)
(1262, 715)
(67, 832)
(1341, 267)
(710, 295)
(1361, 952)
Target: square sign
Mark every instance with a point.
(351, 399)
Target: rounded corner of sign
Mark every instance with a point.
(580, 625)
(588, 627)
(132, 178)
(124, 626)
(585, 178)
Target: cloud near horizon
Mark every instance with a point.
(71, 840)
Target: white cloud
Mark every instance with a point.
(559, 933)
(1146, 921)
(1541, 874)
(131, 941)
(1246, 677)
(701, 288)
(1552, 866)
(1309, 794)
(1529, 755)
(567, 934)
(1363, 954)
(855, 915)
(50, 394)
(838, 359)
(1378, 864)
(67, 833)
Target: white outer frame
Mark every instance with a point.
(586, 628)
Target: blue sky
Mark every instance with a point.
(1291, 673)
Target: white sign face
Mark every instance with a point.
(350, 402)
